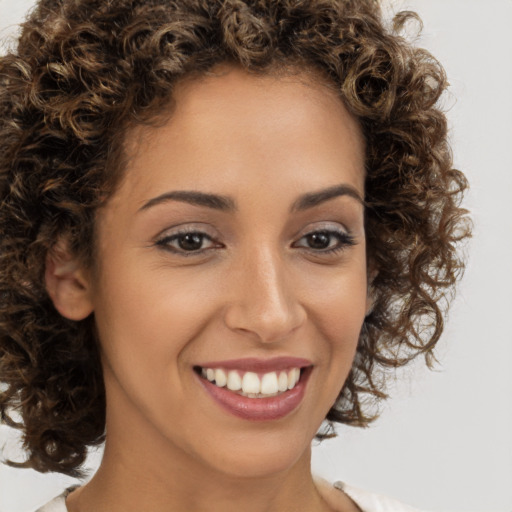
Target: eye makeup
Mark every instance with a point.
(190, 241)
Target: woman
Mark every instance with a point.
(220, 222)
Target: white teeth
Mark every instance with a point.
(220, 378)
(291, 378)
(250, 383)
(269, 383)
(234, 381)
(282, 383)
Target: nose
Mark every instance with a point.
(264, 302)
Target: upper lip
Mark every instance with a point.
(257, 365)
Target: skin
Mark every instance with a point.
(254, 288)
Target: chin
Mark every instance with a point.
(262, 455)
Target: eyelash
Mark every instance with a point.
(165, 242)
(344, 240)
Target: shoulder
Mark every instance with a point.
(371, 502)
(366, 501)
(58, 504)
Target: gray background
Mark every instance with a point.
(444, 441)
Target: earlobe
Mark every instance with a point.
(67, 283)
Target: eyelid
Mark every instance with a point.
(165, 237)
(345, 238)
(323, 226)
(187, 227)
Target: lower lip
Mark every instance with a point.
(258, 409)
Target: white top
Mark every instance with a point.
(366, 501)
(371, 502)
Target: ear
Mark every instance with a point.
(67, 283)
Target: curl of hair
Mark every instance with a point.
(85, 71)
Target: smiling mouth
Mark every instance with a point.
(256, 389)
(252, 384)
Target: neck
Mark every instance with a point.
(124, 485)
(141, 470)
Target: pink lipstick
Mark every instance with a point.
(256, 389)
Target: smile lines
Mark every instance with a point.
(251, 384)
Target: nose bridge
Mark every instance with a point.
(265, 302)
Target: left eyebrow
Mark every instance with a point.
(214, 201)
(315, 198)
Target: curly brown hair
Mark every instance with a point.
(85, 71)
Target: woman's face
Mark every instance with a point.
(233, 250)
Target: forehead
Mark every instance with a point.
(231, 119)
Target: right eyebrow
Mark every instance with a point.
(214, 201)
(310, 200)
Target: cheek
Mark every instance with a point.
(340, 322)
(146, 317)
(337, 311)
(338, 303)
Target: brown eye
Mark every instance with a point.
(320, 240)
(190, 241)
(187, 243)
(325, 241)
